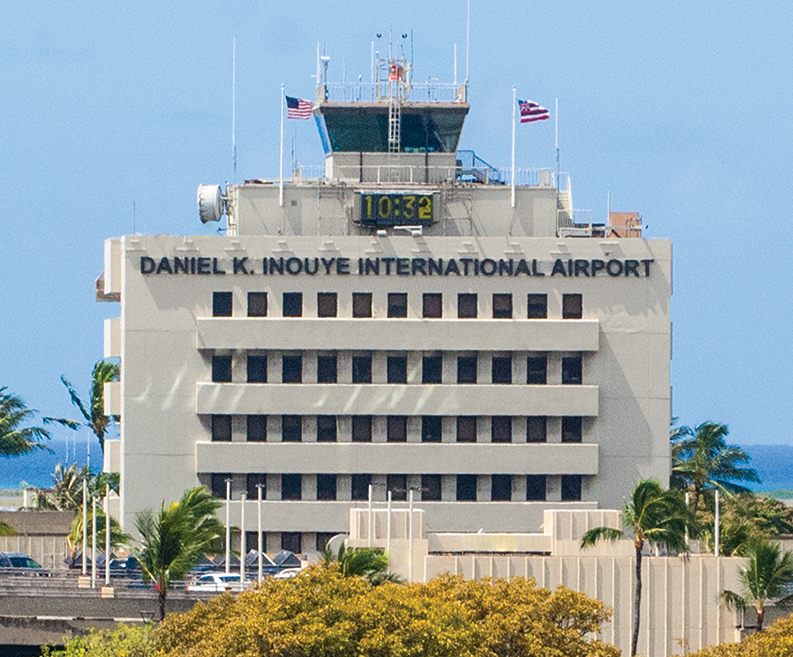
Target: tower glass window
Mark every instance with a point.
(431, 369)
(326, 428)
(466, 429)
(535, 488)
(397, 429)
(502, 306)
(432, 306)
(502, 369)
(257, 368)
(501, 488)
(537, 306)
(571, 488)
(431, 427)
(291, 428)
(397, 304)
(361, 304)
(466, 488)
(572, 306)
(221, 304)
(326, 486)
(537, 370)
(257, 304)
(572, 370)
(397, 369)
(360, 486)
(572, 430)
(327, 305)
(362, 369)
(221, 369)
(292, 369)
(361, 428)
(221, 428)
(466, 306)
(536, 429)
(430, 488)
(466, 369)
(291, 486)
(257, 429)
(501, 429)
(326, 368)
(292, 304)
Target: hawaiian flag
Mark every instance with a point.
(297, 108)
(531, 111)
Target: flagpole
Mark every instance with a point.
(514, 101)
(556, 143)
(281, 175)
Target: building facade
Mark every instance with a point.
(408, 319)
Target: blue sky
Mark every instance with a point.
(681, 110)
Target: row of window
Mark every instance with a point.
(501, 428)
(501, 487)
(397, 368)
(432, 305)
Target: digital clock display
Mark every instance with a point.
(396, 209)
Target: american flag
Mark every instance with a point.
(531, 111)
(297, 108)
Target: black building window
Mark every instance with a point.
(221, 428)
(397, 369)
(291, 487)
(326, 486)
(291, 428)
(536, 429)
(535, 488)
(326, 369)
(327, 305)
(502, 306)
(466, 429)
(292, 304)
(397, 304)
(292, 541)
(257, 368)
(361, 304)
(431, 428)
(502, 369)
(361, 428)
(362, 369)
(571, 488)
(572, 430)
(431, 369)
(292, 369)
(257, 304)
(221, 304)
(397, 429)
(501, 429)
(360, 486)
(537, 370)
(501, 488)
(537, 306)
(326, 428)
(466, 306)
(221, 369)
(430, 488)
(252, 483)
(571, 370)
(217, 484)
(432, 306)
(397, 485)
(466, 369)
(323, 538)
(466, 488)
(572, 306)
(257, 429)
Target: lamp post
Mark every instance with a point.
(85, 527)
(259, 531)
(243, 547)
(93, 542)
(107, 535)
(228, 526)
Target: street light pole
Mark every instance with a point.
(228, 526)
(259, 528)
(242, 540)
(107, 535)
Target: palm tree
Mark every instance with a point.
(766, 577)
(174, 540)
(653, 516)
(105, 371)
(702, 459)
(369, 563)
(66, 494)
(14, 439)
(74, 540)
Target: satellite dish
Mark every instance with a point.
(210, 203)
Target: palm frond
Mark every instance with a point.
(601, 534)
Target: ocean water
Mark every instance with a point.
(36, 469)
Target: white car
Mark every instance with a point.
(287, 573)
(218, 582)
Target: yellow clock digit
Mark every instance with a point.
(425, 207)
(410, 206)
(384, 207)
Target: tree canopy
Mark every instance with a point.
(15, 439)
(776, 641)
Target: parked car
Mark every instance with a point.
(287, 573)
(218, 582)
(14, 563)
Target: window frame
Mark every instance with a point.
(291, 304)
(327, 304)
(464, 362)
(325, 430)
(251, 429)
(222, 304)
(221, 428)
(294, 427)
(464, 487)
(326, 373)
(222, 368)
(499, 373)
(397, 369)
(256, 368)
(295, 484)
(572, 306)
(362, 305)
(362, 376)
(500, 481)
(255, 301)
(397, 305)
(536, 306)
(463, 310)
(289, 365)
(502, 305)
(432, 305)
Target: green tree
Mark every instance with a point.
(74, 540)
(16, 440)
(105, 371)
(66, 493)
(702, 460)
(654, 516)
(369, 563)
(766, 577)
(174, 540)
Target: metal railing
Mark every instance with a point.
(369, 92)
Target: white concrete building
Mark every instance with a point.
(409, 319)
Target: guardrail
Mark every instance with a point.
(418, 92)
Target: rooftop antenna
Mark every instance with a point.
(467, 39)
(234, 107)
(556, 142)
(133, 217)
(455, 64)
(372, 64)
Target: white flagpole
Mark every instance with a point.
(259, 532)
(556, 143)
(281, 176)
(107, 534)
(234, 106)
(228, 526)
(514, 102)
(243, 546)
(85, 528)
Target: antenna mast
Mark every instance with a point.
(234, 106)
(467, 39)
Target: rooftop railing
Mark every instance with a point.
(373, 92)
